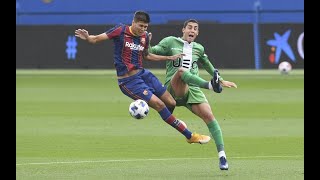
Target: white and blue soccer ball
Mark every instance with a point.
(285, 67)
(139, 109)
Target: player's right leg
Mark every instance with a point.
(187, 77)
(165, 114)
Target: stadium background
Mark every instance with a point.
(235, 33)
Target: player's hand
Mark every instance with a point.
(228, 84)
(82, 33)
(150, 36)
(174, 57)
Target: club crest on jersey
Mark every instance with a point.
(134, 46)
(145, 92)
(143, 40)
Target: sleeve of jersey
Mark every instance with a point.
(114, 32)
(160, 48)
(207, 65)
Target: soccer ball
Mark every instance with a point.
(284, 67)
(139, 109)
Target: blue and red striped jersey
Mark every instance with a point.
(128, 48)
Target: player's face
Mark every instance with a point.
(139, 27)
(190, 32)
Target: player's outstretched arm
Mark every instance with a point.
(153, 57)
(84, 34)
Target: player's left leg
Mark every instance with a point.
(168, 101)
(203, 110)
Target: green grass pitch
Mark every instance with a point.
(75, 124)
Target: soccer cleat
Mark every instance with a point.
(215, 82)
(198, 138)
(223, 163)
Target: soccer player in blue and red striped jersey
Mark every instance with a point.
(131, 45)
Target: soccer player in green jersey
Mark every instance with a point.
(184, 83)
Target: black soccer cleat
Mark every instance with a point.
(215, 82)
(223, 164)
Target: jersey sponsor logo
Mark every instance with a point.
(133, 46)
(186, 63)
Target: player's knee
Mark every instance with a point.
(172, 103)
(159, 105)
(181, 71)
(207, 116)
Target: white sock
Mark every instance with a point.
(222, 153)
(210, 86)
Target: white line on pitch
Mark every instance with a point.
(134, 160)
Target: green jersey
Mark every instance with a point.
(194, 53)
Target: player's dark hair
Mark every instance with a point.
(189, 20)
(141, 16)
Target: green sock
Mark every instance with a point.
(216, 133)
(189, 78)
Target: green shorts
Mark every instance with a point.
(193, 96)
